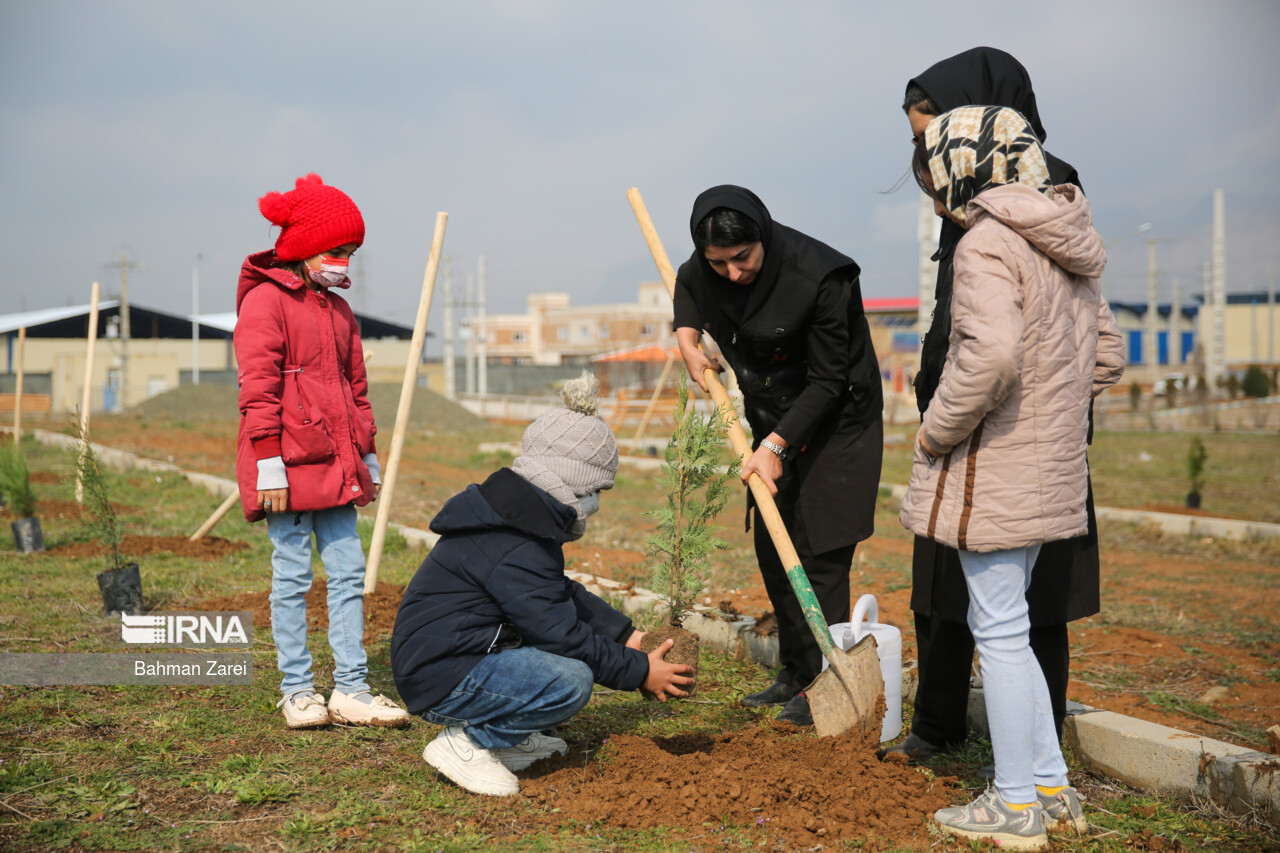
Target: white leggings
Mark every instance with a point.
(1018, 709)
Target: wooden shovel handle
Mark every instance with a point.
(741, 446)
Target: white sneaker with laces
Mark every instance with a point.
(535, 747)
(989, 817)
(467, 765)
(304, 710)
(365, 709)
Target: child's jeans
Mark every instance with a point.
(1018, 709)
(510, 695)
(339, 544)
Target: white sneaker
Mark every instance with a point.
(304, 710)
(478, 770)
(365, 709)
(533, 748)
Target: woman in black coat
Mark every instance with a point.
(786, 313)
(1064, 585)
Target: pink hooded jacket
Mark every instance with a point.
(1032, 340)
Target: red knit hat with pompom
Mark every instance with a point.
(313, 218)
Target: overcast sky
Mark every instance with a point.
(153, 127)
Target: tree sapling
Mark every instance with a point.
(1196, 457)
(684, 541)
(15, 481)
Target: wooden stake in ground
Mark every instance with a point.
(843, 697)
(217, 516)
(406, 401)
(17, 387)
(88, 384)
(653, 404)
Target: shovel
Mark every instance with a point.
(844, 697)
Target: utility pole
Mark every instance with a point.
(124, 265)
(358, 283)
(1219, 284)
(195, 321)
(1150, 353)
(469, 350)
(482, 342)
(1271, 322)
(450, 380)
(1175, 327)
(1206, 327)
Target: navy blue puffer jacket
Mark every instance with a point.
(495, 579)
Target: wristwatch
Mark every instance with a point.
(776, 449)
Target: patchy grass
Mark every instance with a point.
(213, 768)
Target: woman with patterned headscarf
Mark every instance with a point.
(1065, 586)
(999, 465)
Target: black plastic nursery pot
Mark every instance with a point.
(1193, 500)
(121, 590)
(28, 538)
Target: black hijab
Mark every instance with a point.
(783, 247)
(981, 76)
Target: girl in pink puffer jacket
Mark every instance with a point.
(1000, 464)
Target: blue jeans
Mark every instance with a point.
(510, 695)
(1019, 713)
(339, 544)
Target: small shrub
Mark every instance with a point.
(102, 523)
(15, 481)
(1255, 383)
(1196, 457)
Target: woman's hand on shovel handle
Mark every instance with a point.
(765, 464)
(695, 360)
(666, 679)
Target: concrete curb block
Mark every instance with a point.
(1144, 755)
(1193, 525)
(1164, 760)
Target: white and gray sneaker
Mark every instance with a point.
(365, 709)
(533, 748)
(1062, 811)
(989, 817)
(304, 709)
(467, 765)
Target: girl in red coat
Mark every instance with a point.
(305, 456)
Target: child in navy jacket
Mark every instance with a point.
(492, 641)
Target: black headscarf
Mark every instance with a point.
(981, 76)
(804, 254)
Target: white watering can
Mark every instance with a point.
(889, 648)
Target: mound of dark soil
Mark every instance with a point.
(208, 548)
(796, 790)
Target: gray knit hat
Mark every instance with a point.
(570, 452)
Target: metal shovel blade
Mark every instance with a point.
(844, 697)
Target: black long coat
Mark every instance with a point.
(1065, 583)
(801, 349)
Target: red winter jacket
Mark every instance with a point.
(302, 390)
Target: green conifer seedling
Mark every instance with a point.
(696, 493)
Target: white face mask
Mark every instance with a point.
(332, 272)
(590, 504)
